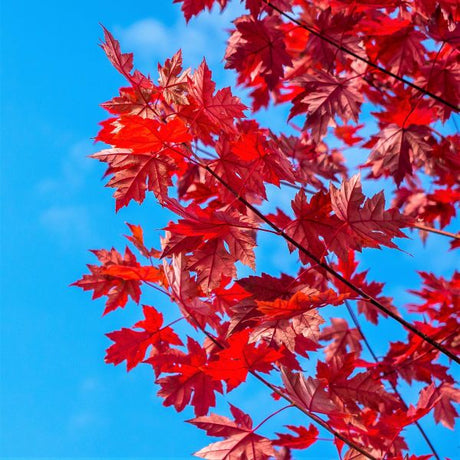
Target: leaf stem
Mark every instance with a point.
(272, 415)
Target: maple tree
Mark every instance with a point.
(213, 166)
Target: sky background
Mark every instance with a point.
(58, 397)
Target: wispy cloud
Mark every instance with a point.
(152, 41)
(86, 416)
(69, 223)
(63, 214)
(74, 169)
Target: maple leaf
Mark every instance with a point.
(117, 288)
(304, 437)
(361, 388)
(396, 149)
(172, 81)
(146, 154)
(240, 357)
(134, 174)
(366, 223)
(192, 8)
(323, 97)
(444, 411)
(343, 338)
(337, 26)
(211, 262)
(312, 222)
(207, 112)
(300, 334)
(237, 230)
(123, 62)
(308, 394)
(441, 78)
(401, 51)
(241, 440)
(256, 47)
(441, 296)
(312, 161)
(186, 292)
(132, 345)
(268, 288)
(190, 384)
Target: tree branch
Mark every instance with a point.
(327, 268)
(356, 56)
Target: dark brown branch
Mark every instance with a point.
(330, 270)
(356, 56)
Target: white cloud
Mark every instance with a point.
(204, 36)
(74, 168)
(83, 420)
(90, 384)
(68, 223)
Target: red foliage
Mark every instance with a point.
(194, 148)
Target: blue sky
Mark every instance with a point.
(58, 398)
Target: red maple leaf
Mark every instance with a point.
(240, 357)
(192, 8)
(364, 222)
(256, 47)
(190, 384)
(444, 411)
(312, 221)
(396, 150)
(401, 52)
(132, 345)
(307, 393)
(325, 96)
(116, 287)
(209, 113)
(241, 441)
(303, 438)
(172, 80)
(145, 156)
(343, 337)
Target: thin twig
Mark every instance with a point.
(425, 228)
